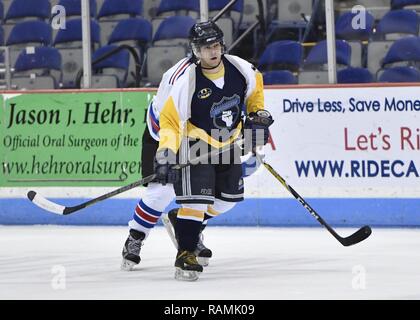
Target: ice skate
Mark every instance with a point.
(131, 250)
(202, 253)
(187, 267)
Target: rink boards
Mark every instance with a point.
(352, 152)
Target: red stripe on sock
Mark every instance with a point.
(145, 216)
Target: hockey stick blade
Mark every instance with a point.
(356, 237)
(50, 206)
(360, 235)
(45, 204)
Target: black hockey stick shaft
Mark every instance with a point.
(356, 237)
(133, 185)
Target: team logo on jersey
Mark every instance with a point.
(204, 93)
(225, 113)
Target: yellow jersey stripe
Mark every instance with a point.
(256, 99)
(171, 132)
(190, 213)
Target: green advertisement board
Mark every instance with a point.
(71, 139)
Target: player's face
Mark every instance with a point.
(211, 54)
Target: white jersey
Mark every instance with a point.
(165, 86)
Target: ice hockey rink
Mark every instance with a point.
(69, 262)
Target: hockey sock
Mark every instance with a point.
(144, 218)
(187, 228)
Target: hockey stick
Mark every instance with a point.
(50, 206)
(356, 237)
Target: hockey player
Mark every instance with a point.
(205, 106)
(156, 196)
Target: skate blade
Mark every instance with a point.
(127, 265)
(203, 261)
(186, 275)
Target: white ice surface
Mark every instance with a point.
(248, 264)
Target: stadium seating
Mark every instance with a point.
(279, 55)
(172, 6)
(28, 32)
(354, 75)
(114, 65)
(72, 35)
(170, 44)
(279, 77)
(23, 9)
(397, 24)
(174, 30)
(400, 74)
(406, 50)
(399, 4)
(318, 58)
(345, 26)
(158, 30)
(136, 30)
(37, 68)
(115, 9)
(73, 7)
(1, 11)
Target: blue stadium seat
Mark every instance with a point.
(279, 77)
(41, 58)
(138, 29)
(220, 4)
(117, 63)
(398, 21)
(47, 58)
(131, 8)
(284, 54)
(318, 54)
(175, 27)
(73, 7)
(73, 32)
(399, 4)
(30, 32)
(400, 74)
(178, 5)
(118, 60)
(344, 27)
(1, 36)
(44, 62)
(19, 9)
(354, 75)
(403, 50)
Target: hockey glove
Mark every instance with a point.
(165, 160)
(256, 128)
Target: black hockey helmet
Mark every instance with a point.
(205, 33)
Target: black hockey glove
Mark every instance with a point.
(256, 128)
(165, 160)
